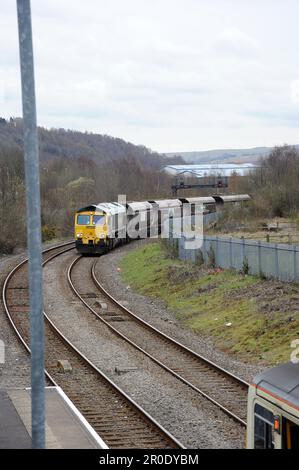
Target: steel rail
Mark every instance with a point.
(144, 414)
(162, 335)
(4, 291)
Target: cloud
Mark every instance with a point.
(294, 91)
(235, 42)
(179, 75)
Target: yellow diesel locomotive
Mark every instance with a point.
(98, 228)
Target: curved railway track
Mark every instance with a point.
(222, 388)
(120, 421)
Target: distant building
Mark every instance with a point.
(213, 169)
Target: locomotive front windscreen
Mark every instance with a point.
(83, 219)
(98, 220)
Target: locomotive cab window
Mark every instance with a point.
(98, 220)
(83, 219)
(263, 428)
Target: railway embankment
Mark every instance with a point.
(250, 318)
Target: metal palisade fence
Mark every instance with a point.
(271, 260)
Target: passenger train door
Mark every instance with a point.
(263, 427)
(273, 428)
(290, 432)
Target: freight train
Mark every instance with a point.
(100, 227)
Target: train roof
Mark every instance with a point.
(106, 207)
(281, 382)
(166, 203)
(232, 198)
(111, 208)
(139, 206)
(91, 208)
(199, 200)
(116, 208)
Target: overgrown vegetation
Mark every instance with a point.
(245, 315)
(211, 258)
(76, 169)
(245, 266)
(274, 189)
(72, 144)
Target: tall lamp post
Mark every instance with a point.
(33, 224)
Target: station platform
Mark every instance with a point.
(66, 428)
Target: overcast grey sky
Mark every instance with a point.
(173, 75)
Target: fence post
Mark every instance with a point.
(230, 252)
(170, 235)
(259, 256)
(276, 261)
(295, 261)
(243, 249)
(216, 251)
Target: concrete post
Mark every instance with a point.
(33, 225)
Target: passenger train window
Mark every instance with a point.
(83, 219)
(263, 428)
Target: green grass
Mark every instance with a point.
(207, 301)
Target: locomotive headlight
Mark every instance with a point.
(102, 235)
(79, 235)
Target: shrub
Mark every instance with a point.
(6, 246)
(48, 232)
(171, 249)
(211, 258)
(199, 259)
(262, 276)
(245, 266)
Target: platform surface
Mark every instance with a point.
(65, 426)
(13, 432)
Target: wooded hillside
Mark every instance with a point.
(76, 169)
(74, 144)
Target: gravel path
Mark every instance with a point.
(182, 411)
(155, 312)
